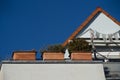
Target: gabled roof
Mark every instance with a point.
(98, 10)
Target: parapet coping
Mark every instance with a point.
(55, 62)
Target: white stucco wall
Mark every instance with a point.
(1, 76)
(53, 72)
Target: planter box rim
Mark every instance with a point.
(52, 52)
(80, 52)
(53, 56)
(81, 56)
(33, 51)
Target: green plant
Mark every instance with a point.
(79, 45)
(53, 48)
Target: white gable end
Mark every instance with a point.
(101, 24)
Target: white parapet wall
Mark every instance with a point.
(52, 71)
(1, 76)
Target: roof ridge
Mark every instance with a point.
(97, 10)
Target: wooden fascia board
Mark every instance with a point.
(87, 21)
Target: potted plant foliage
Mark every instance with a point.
(53, 52)
(80, 49)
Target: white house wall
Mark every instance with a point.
(102, 24)
(1, 76)
(53, 72)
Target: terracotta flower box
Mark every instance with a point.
(53, 56)
(24, 55)
(81, 56)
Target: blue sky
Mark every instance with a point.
(33, 24)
